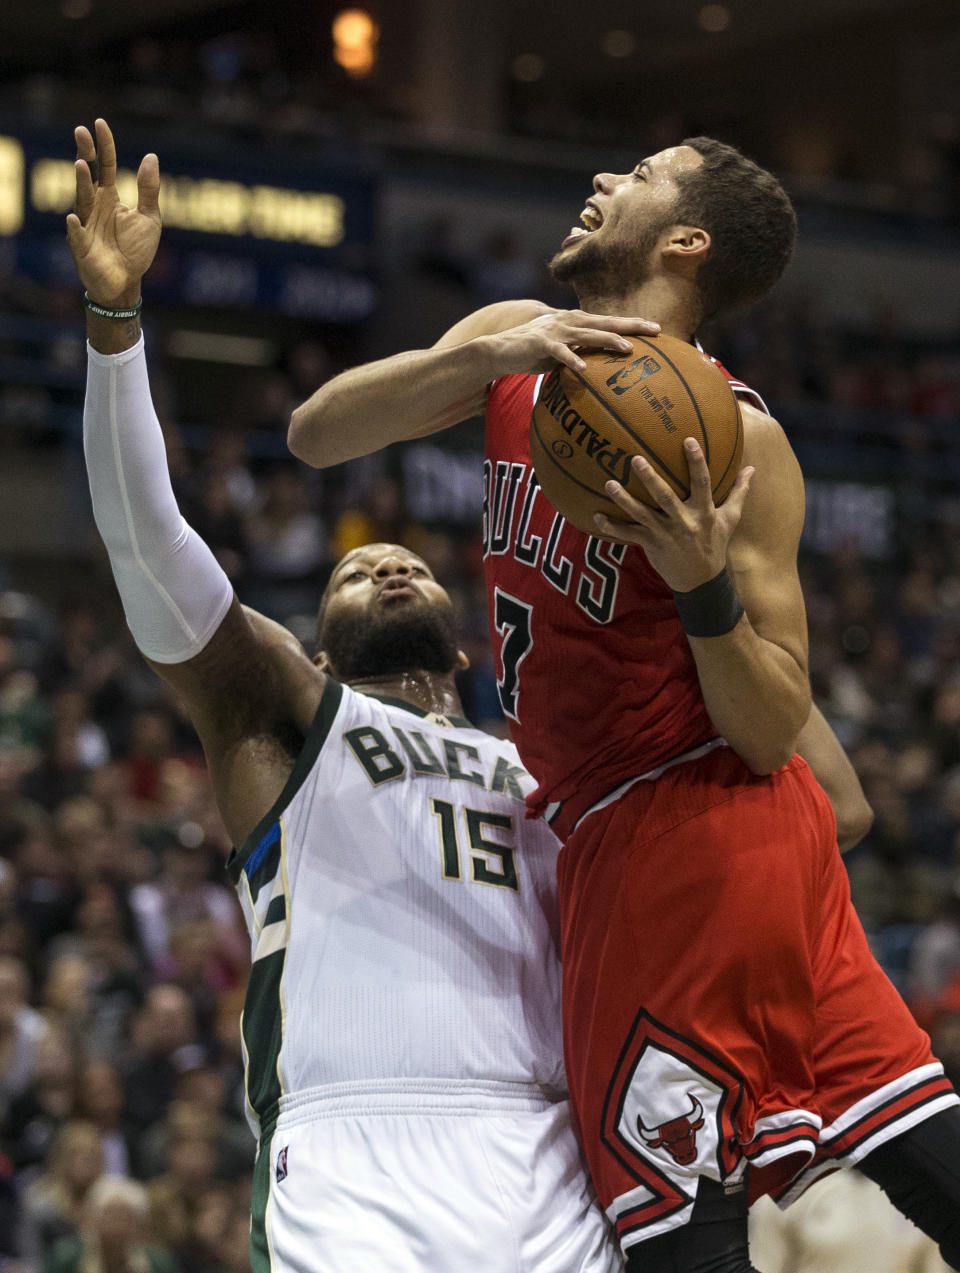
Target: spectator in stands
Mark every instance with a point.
(21, 1029)
(113, 984)
(176, 1196)
(112, 1236)
(379, 518)
(34, 1118)
(182, 893)
(47, 890)
(200, 1086)
(100, 1101)
(163, 1033)
(287, 544)
(54, 1201)
(214, 515)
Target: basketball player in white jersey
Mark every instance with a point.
(402, 1022)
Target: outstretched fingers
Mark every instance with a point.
(106, 154)
(83, 200)
(148, 186)
(86, 173)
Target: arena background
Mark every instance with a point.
(335, 191)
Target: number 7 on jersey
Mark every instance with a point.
(513, 619)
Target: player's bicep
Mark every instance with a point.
(762, 554)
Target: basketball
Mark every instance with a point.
(587, 426)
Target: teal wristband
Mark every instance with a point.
(104, 312)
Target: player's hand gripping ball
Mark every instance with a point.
(586, 426)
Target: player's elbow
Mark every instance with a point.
(302, 438)
(767, 759)
(771, 748)
(854, 820)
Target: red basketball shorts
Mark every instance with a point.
(721, 1005)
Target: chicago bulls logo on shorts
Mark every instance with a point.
(668, 1119)
(679, 1136)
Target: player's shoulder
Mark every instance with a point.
(763, 435)
(777, 491)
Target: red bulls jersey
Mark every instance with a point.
(594, 671)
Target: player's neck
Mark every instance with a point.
(431, 691)
(659, 299)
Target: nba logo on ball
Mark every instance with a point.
(282, 1164)
(632, 373)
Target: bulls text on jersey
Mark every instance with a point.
(591, 574)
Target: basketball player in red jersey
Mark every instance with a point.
(727, 1032)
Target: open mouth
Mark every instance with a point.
(591, 219)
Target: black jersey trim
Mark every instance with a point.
(460, 722)
(316, 736)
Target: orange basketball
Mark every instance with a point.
(586, 426)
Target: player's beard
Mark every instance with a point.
(595, 268)
(404, 636)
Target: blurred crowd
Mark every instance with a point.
(265, 83)
(123, 960)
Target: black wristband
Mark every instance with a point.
(710, 610)
(104, 312)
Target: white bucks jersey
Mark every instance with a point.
(402, 911)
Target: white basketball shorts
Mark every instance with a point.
(425, 1178)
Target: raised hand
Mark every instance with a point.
(555, 337)
(685, 540)
(112, 245)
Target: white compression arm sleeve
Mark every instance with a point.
(173, 590)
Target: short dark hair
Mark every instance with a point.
(750, 220)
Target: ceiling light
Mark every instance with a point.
(355, 36)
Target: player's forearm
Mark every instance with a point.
(756, 693)
(406, 396)
(820, 748)
(173, 591)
